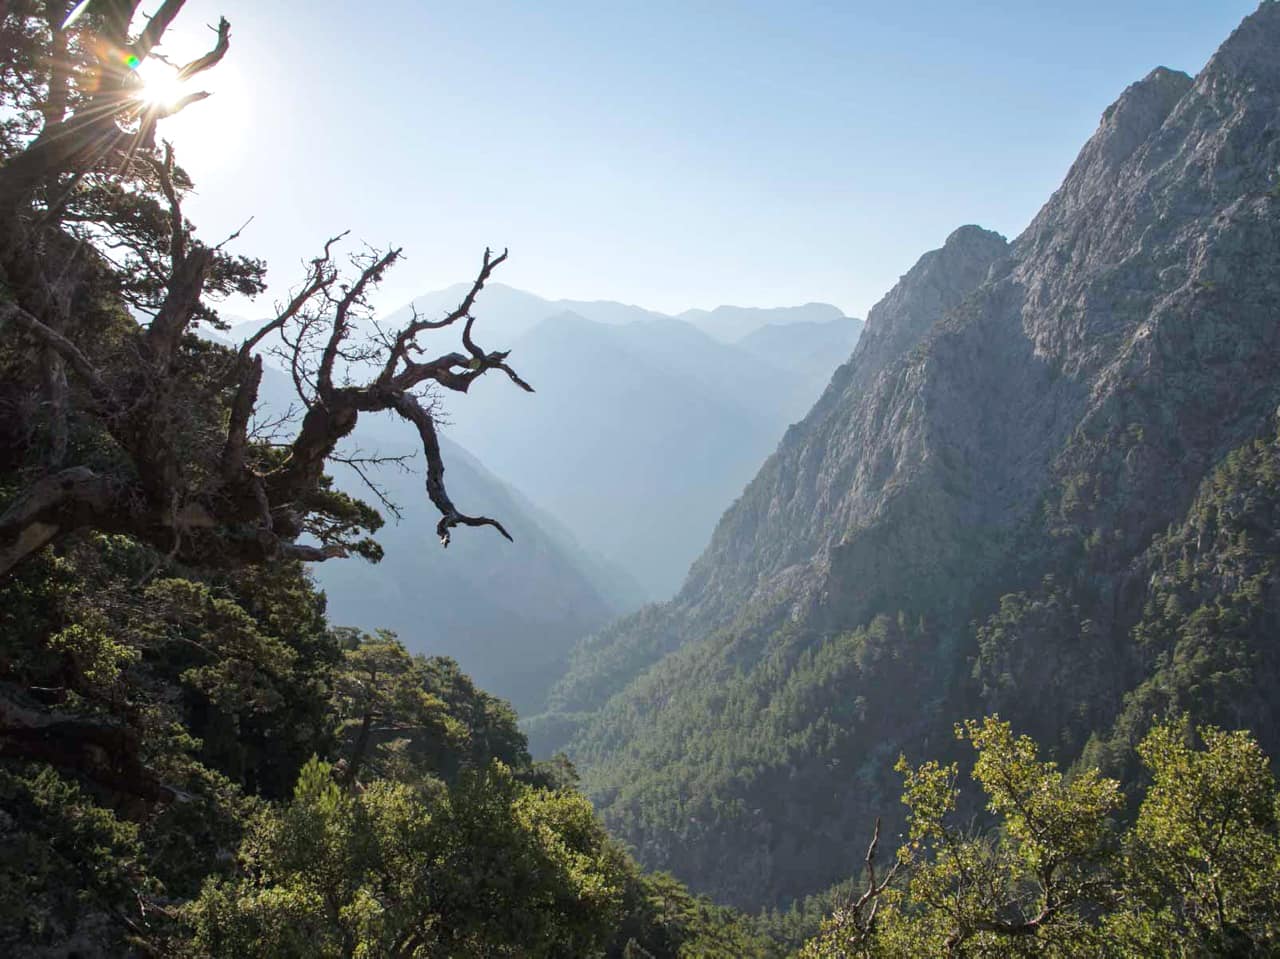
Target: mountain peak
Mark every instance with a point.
(1169, 143)
(730, 324)
(1122, 142)
(1126, 125)
(971, 235)
(567, 319)
(1249, 54)
(937, 282)
(1138, 113)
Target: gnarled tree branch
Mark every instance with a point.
(408, 406)
(193, 482)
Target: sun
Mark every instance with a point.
(161, 87)
(204, 116)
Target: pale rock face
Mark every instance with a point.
(829, 475)
(1004, 400)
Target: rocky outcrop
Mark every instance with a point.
(836, 471)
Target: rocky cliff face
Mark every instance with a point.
(837, 472)
(776, 540)
(1018, 421)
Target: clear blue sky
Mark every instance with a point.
(673, 155)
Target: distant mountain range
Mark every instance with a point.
(508, 312)
(641, 431)
(643, 425)
(614, 472)
(733, 324)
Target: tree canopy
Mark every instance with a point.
(121, 420)
(1197, 873)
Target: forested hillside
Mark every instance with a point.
(154, 736)
(193, 760)
(1041, 486)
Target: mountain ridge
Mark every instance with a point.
(520, 309)
(1024, 426)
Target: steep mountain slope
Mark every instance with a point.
(1016, 427)
(790, 512)
(637, 434)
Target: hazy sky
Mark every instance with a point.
(671, 155)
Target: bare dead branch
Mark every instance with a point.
(405, 339)
(321, 275)
(856, 918)
(213, 57)
(295, 355)
(377, 460)
(500, 364)
(409, 407)
(490, 264)
(235, 235)
(371, 274)
(155, 29)
(358, 465)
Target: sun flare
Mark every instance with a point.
(160, 85)
(204, 116)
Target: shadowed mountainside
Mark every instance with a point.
(979, 513)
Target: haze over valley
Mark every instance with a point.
(490, 624)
